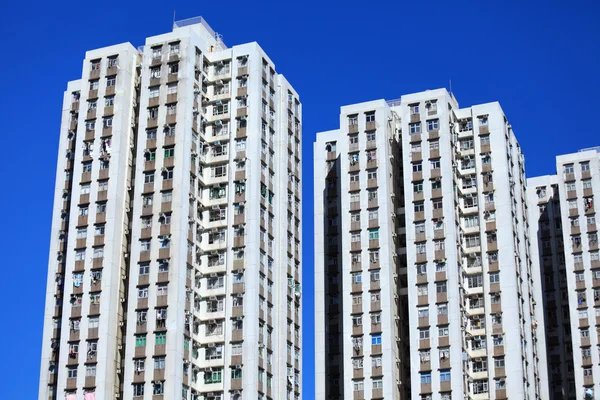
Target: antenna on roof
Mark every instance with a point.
(174, 11)
(450, 86)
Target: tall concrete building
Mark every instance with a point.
(576, 186)
(452, 235)
(361, 331)
(185, 280)
(548, 258)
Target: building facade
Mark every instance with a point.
(360, 327)
(203, 266)
(569, 262)
(464, 244)
(578, 186)
(548, 258)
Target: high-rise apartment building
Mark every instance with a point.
(361, 331)
(185, 281)
(548, 258)
(456, 242)
(573, 191)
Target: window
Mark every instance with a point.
(443, 331)
(419, 207)
(93, 322)
(442, 309)
(112, 81)
(158, 387)
(80, 255)
(358, 386)
(143, 292)
(162, 289)
(98, 252)
(167, 174)
(568, 169)
(81, 233)
(161, 338)
(167, 197)
(145, 245)
(151, 134)
(585, 166)
(236, 373)
(441, 287)
(148, 177)
(433, 125)
(414, 109)
(370, 117)
(472, 240)
(472, 221)
(415, 128)
(444, 375)
(102, 186)
(376, 339)
(72, 372)
(140, 340)
(95, 65)
(425, 377)
(138, 389)
(169, 152)
(90, 370)
(159, 362)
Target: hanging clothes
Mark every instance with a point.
(71, 396)
(90, 396)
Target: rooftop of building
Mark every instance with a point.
(200, 21)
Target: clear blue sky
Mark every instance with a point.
(540, 60)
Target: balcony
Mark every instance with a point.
(353, 128)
